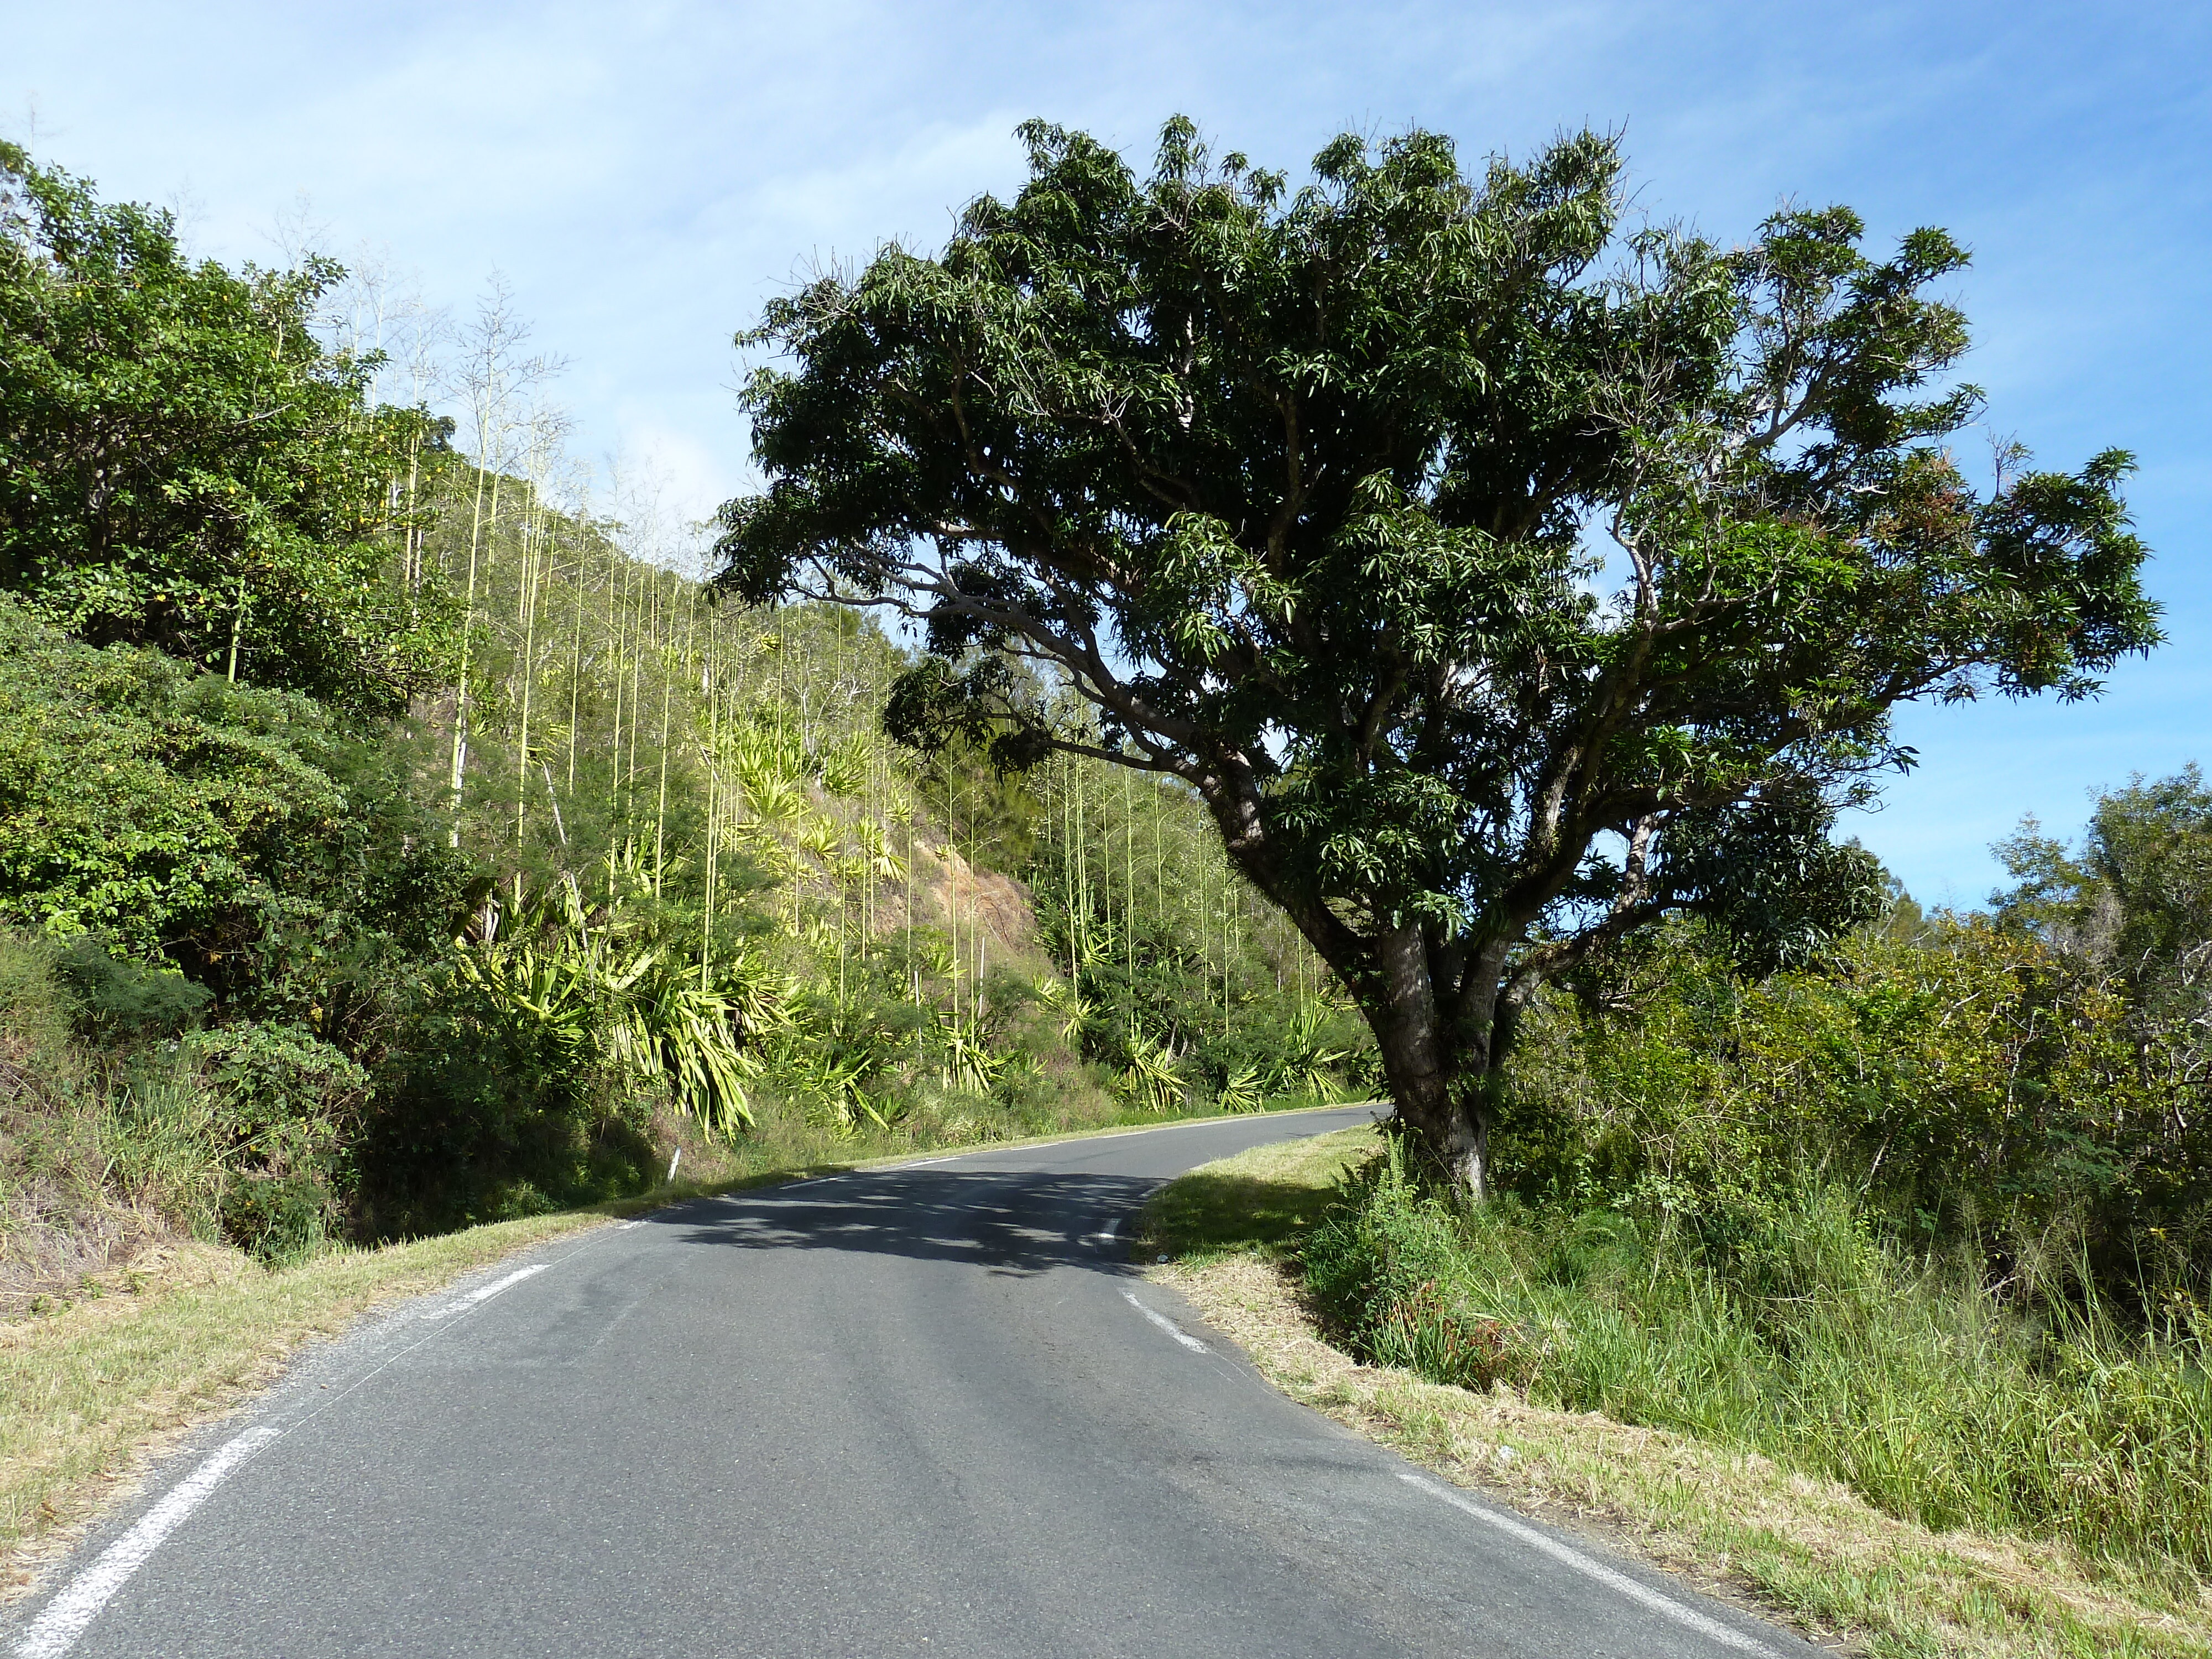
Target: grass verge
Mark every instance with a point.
(92, 1393)
(1805, 1550)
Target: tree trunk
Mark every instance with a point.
(1429, 1079)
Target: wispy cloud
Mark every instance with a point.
(646, 175)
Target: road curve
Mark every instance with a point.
(920, 1410)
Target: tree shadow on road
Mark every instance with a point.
(1020, 1223)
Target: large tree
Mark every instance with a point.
(1502, 579)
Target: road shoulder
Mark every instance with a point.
(1805, 1552)
(93, 1398)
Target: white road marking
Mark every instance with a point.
(1665, 1605)
(1105, 1234)
(1166, 1324)
(56, 1629)
(484, 1292)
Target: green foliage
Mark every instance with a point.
(1931, 1217)
(1295, 490)
(591, 987)
(484, 1113)
(184, 465)
(1805, 1338)
(2131, 914)
(138, 797)
(227, 829)
(118, 1000)
(1977, 1093)
(279, 1218)
(288, 1101)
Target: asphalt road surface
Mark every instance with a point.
(925, 1410)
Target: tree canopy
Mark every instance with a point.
(1503, 576)
(185, 465)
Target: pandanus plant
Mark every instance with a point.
(1154, 1080)
(1307, 1062)
(567, 974)
(970, 1063)
(1241, 1091)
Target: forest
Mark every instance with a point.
(401, 835)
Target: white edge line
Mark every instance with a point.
(58, 1626)
(1635, 1591)
(485, 1292)
(1105, 1234)
(1166, 1324)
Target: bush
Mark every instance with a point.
(280, 1218)
(1979, 1096)
(1807, 1340)
(96, 1159)
(484, 1116)
(118, 1000)
(288, 1101)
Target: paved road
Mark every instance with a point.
(923, 1410)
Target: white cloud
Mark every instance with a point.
(647, 174)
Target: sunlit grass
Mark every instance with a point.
(1872, 1451)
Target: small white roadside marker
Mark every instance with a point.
(1166, 1324)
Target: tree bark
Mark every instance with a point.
(1427, 1076)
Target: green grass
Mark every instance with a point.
(1930, 1396)
(1262, 1200)
(1582, 1384)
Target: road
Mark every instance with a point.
(927, 1409)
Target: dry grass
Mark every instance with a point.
(90, 1395)
(1807, 1551)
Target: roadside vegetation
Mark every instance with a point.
(395, 837)
(1259, 1242)
(414, 842)
(1929, 1220)
(1924, 1223)
(404, 854)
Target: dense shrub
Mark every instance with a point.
(1972, 1089)
(102, 1152)
(1806, 1338)
(483, 1115)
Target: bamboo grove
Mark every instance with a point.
(691, 804)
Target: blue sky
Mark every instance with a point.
(644, 174)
